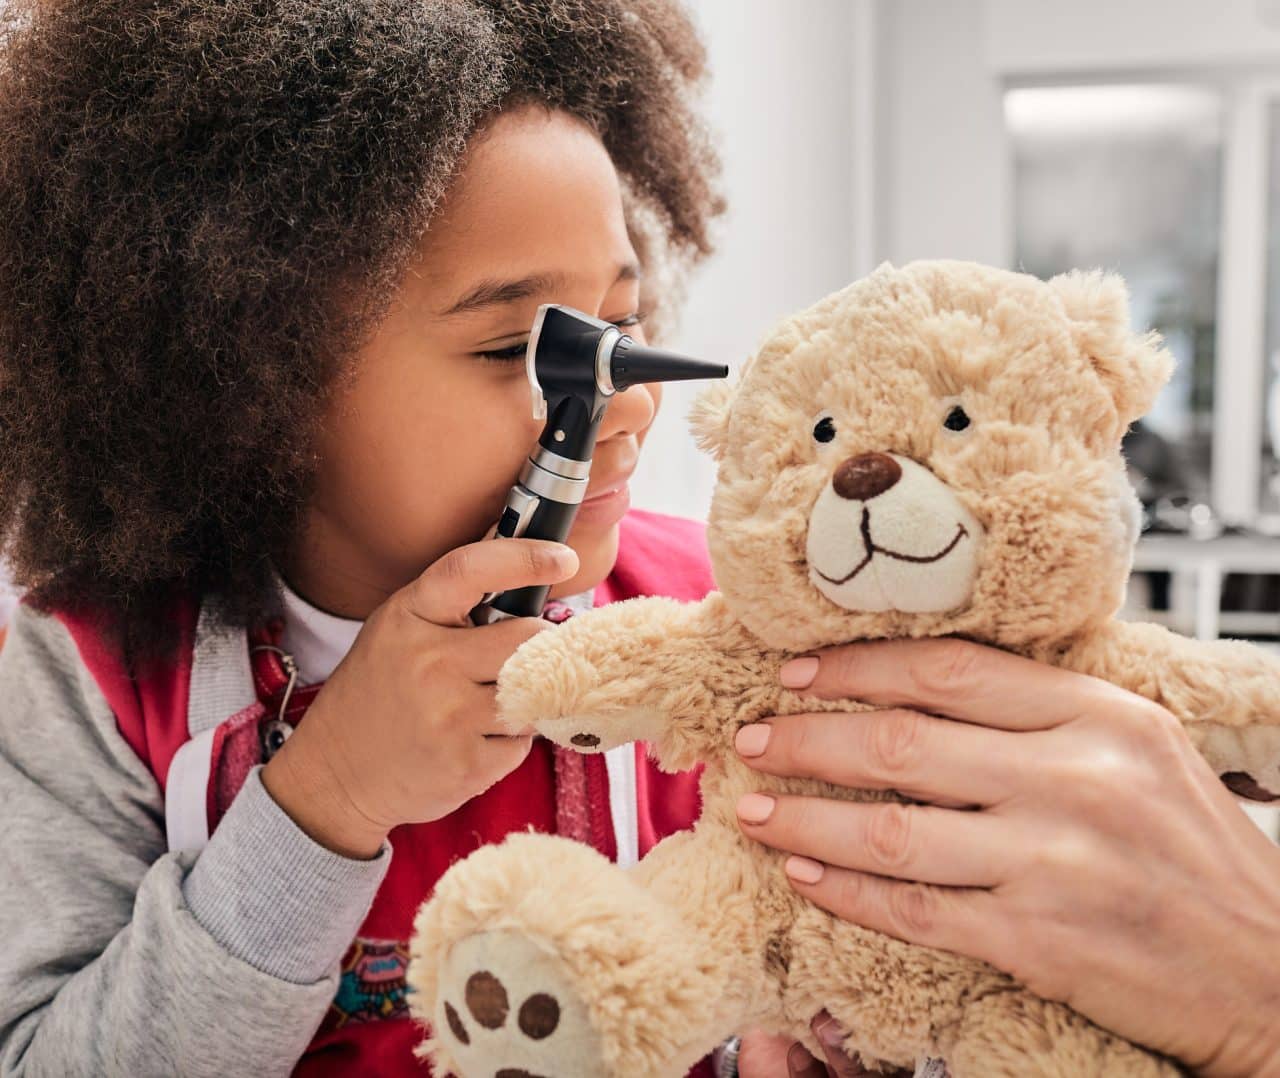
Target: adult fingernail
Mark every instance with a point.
(565, 557)
(753, 740)
(804, 870)
(800, 1064)
(755, 808)
(799, 673)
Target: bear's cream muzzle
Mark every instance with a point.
(887, 534)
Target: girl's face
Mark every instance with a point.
(419, 447)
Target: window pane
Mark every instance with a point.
(1128, 178)
(1270, 493)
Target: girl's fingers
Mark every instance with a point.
(920, 756)
(831, 1036)
(888, 838)
(956, 678)
(479, 652)
(477, 714)
(800, 1064)
(450, 587)
(764, 1055)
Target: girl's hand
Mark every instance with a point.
(405, 730)
(766, 1056)
(1071, 836)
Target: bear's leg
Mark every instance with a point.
(539, 958)
(901, 1003)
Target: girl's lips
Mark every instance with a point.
(608, 492)
(606, 487)
(609, 506)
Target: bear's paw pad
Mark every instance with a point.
(510, 1010)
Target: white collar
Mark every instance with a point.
(316, 639)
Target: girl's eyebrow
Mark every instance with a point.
(493, 293)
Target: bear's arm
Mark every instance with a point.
(647, 669)
(1226, 693)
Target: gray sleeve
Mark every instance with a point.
(119, 958)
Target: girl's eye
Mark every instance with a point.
(514, 352)
(825, 429)
(506, 355)
(957, 419)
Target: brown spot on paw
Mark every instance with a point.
(508, 1072)
(455, 1024)
(584, 741)
(487, 999)
(539, 1016)
(1241, 783)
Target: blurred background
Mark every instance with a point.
(1141, 136)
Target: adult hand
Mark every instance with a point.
(1071, 836)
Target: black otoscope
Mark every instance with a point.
(575, 363)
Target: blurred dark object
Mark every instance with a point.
(1155, 468)
(1155, 472)
(1251, 591)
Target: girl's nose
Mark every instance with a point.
(630, 411)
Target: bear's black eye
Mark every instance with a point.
(957, 419)
(825, 429)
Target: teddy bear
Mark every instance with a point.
(933, 451)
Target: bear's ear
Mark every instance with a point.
(1134, 367)
(709, 417)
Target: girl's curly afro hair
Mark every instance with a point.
(186, 189)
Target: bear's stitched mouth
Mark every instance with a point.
(872, 550)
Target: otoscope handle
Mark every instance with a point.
(550, 520)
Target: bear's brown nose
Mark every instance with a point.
(866, 475)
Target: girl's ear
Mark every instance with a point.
(1133, 366)
(709, 417)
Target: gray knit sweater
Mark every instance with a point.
(118, 957)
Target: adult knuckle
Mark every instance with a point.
(913, 909)
(1065, 857)
(889, 838)
(896, 743)
(1104, 784)
(1154, 726)
(1092, 783)
(948, 667)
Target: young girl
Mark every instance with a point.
(268, 273)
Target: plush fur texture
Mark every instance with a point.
(934, 450)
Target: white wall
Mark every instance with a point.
(1049, 35)
(944, 188)
(781, 101)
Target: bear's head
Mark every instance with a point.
(932, 450)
